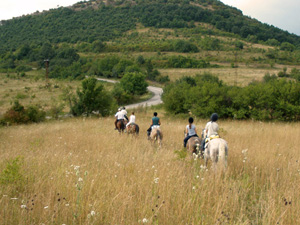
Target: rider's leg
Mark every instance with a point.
(185, 140)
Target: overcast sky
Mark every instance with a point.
(280, 13)
(283, 14)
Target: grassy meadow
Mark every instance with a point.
(81, 171)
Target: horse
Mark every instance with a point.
(133, 129)
(217, 151)
(121, 125)
(156, 135)
(193, 146)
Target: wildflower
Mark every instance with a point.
(153, 167)
(244, 151)
(67, 205)
(145, 220)
(156, 180)
(93, 213)
(194, 188)
(76, 167)
(80, 179)
(197, 176)
(23, 206)
(46, 207)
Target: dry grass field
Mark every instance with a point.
(81, 171)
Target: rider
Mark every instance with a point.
(119, 116)
(190, 131)
(131, 121)
(154, 122)
(211, 130)
(123, 110)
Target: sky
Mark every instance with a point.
(279, 13)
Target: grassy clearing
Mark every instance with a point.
(241, 76)
(81, 171)
(31, 89)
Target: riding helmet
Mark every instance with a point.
(214, 117)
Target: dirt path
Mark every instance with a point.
(155, 100)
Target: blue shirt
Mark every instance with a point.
(155, 121)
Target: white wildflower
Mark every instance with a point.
(145, 220)
(197, 176)
(194, 188)
(76, 167)
(153, 167)
(46, 207)
(80, 179)
(67, 205)
(156, 180)
(93, 213)
(23, 206)
(244, 151)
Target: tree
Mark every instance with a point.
(92, 97)
(134, 83)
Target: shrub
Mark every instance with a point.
(91, 98)
(18, 114)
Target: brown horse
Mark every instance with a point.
(156, 135)
(193, 146)
(121, 125)
(133, 129)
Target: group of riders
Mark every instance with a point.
(210, 131)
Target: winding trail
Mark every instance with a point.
(155, 100)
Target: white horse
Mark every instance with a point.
(156, 135)
(217, 151)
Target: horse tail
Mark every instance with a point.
(159, 136)
(223, 153)
(137, 129)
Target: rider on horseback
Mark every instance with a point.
(119, 116)
(154, 122)
(131, 121)
(211, 130)
(190, 131)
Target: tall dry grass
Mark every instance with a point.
(80, 171)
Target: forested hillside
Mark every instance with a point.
(94, 20)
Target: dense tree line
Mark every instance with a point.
(272, 99)
(109, 22)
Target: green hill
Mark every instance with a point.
(108, 20)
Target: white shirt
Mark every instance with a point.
(124, 112)
(132, 119)
(212, 128)
(192, 130)
(119, 115)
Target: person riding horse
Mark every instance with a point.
(190, 131)
(210, 131)
(155, 122)
(120, 115)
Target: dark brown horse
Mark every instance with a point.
(133, 129)
(121, 125)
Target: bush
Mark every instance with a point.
(18, 114)
(272, 99)
(91, 98)
(134, 83)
